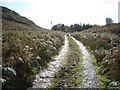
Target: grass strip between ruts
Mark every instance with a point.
(71, 73)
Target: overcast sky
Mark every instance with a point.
(67, 12)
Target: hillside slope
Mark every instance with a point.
(104, 43)
(13, 21)
(26, 50)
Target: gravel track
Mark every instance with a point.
(44, 78)
(90, 79)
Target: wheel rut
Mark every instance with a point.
(44, 78)
(90, 77)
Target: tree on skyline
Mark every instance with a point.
(72, 28)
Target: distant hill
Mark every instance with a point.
(113, 28)
(13, 21)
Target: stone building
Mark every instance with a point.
(109, 21)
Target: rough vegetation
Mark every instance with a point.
(26, 49)
(104, 43)
(25, 53)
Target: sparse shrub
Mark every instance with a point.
(99, 54)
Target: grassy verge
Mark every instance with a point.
(70, 75)
(102, 79)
